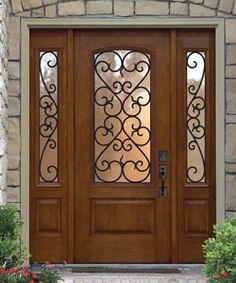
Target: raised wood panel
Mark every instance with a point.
(122, 216)
(49, 249)
(196, 217)
(122, 248)
(48, 215)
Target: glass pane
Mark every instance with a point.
(48, 114)
(122, 116)
(196, 117)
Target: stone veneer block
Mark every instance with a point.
(231, 72)
(13, 161)
(178, 8)
(231, 97)
(230, 143)
(231, 192)
(99, 7)
(226, 6)
(74, 8)
(3, 116)
(230, 30)
(230, 118)
(230, 213)
(25, 14)
(16, 6)
(201, 11)
(3, 198)
(2, 148)
(1, 14)
(49, 2)
(13, 106)
(231, 54)
(234, 8)
(4, 166)
(230, 167)
(152, 8)
(51, 11)
(13, 70)
(14, 38)
(31, 4)
(38, 13)
(124, 8)
(13, 194)
(222, 14)
(211, 3)
(196, 1)
(13, 149)
(3, 96)
(13, 178)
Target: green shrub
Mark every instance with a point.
(12, 251)
(49, 274)
(7, 278)
(220, 253)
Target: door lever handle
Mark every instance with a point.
(163, 181)
(162, 176)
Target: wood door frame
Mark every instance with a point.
(217, 24)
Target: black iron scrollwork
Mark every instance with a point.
(122, 138)
(196, 128)
(48, 167)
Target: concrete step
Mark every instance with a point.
(134, 278)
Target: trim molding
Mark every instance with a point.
(218, 24)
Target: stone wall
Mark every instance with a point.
(3, 97)
(120, 9)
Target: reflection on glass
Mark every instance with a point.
(122, 116)
(48, 114)
(196, 117)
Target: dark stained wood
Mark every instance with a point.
(48, 201)
(196, 201)
(173, 137)
(70, 139)
(82, 221)
(100, 237)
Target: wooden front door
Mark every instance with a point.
(122, 145)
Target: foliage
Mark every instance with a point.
(10, 223)
(12, 251)
(47, 274)
(13, 254)
(220, 253)
(6, 277)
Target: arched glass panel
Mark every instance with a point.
(122, 116)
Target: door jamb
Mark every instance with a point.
(217, 24)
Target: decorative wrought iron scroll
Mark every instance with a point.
(196, 124)
(48, 104)
(122, 116)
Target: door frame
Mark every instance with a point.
(185, 23)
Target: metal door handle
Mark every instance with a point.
(162, 176)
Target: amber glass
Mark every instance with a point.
(48, 116)
(196, 116)
(122, 116)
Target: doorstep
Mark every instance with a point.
(187, 274)
(133, 278)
